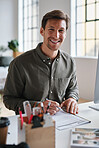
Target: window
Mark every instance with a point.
(28, 24)
(84, 27)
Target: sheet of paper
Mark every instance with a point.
(66, 120)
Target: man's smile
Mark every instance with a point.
(55, 42)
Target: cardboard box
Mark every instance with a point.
(41, 137)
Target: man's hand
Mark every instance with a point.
(52, 108)
(71, 105)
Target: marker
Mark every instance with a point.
(20, 112)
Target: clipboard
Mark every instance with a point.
(66, 120)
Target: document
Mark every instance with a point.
(64, 120)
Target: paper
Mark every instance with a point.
(66, 120)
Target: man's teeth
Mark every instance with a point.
(54, 41)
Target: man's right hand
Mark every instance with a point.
(52, 108)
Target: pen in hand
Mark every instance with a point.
(48, 106)
(60, 108)
(42, 107)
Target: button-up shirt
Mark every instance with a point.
(34, 76)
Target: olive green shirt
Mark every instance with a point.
(33, 76)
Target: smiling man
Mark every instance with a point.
(44, 72)
(53, 36)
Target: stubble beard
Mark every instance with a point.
(51, 48)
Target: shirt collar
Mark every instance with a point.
(43, 56)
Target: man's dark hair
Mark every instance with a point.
(55, 14)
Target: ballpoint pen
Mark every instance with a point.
(56, 106)
(42, 107)
(60, 108)
(48, 106)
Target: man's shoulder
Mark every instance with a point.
(66, 56)
(26, 54)
(24, 58)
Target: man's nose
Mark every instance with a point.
(56, 34)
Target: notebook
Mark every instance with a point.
(96, 91)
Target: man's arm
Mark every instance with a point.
(13, 103)
(13, 89)
(72, 92)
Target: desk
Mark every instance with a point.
(62, 137)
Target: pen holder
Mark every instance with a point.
(40, 137)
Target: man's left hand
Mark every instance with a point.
(71, 105)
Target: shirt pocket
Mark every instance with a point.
(61, 85)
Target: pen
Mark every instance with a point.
(42, 107)
(48, 106)
(56, 106)
(46, 99)
(60, 108)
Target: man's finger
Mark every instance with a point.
(77, 110)
(72, 107)
(68, 105)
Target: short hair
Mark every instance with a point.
(55, 14)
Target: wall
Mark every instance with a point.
(49, 5)
(8, 21)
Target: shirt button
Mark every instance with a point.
(51, 92)
(57, 60)
(43, 60)
(48, 58)
(49, 63)
(52, 77)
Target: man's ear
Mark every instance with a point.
(42, 31)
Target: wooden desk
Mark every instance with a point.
(62, 137)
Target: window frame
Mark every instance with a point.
(27, 32)
(74, 37)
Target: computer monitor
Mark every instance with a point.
(96, 91)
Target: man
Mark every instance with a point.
(44, 72)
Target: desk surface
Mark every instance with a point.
(62, 137)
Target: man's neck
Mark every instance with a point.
(48, 52)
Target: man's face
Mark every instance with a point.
(54, 34)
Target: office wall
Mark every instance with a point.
(8, 21)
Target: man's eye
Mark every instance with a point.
(61, 30)
(51, 29)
